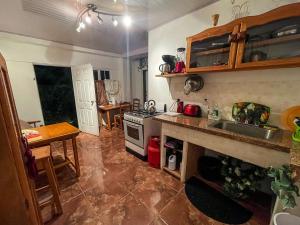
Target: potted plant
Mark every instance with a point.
(283, 185)
(240, 181)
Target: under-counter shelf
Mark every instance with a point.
(175, 173)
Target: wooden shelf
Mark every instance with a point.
(259, 203)
(175, 173)
(173, 75)
(213, 51)
(272, 41)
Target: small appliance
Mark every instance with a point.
(192, 110)
(170, 59)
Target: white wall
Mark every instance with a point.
(275, 88)
(21, 53)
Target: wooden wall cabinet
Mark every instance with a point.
(270, 40)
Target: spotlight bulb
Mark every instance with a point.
(81, 25)
(127, 21)
(88, 18)
(115, 22)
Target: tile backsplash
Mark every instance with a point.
(277, 88)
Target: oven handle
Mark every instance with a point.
(132, 125)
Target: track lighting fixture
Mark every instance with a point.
(88, 11)
(99, 19)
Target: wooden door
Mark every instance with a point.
(17, 202)
(213, 49)
(85, 98)
(270, 40)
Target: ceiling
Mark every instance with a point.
(55, 20)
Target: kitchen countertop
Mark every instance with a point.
(280, 142)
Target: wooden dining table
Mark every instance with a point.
(58, 132)
(106, 109)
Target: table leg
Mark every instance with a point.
(65, 148)
(100, 119)
(77, 166)
(108, 120)
(53, 184)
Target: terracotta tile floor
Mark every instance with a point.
(115, 188)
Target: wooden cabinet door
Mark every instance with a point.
(18, 204)
(212, 50)
(270, 40)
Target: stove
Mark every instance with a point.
(138, 128)
(138, 117)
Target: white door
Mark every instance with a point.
(85, 98)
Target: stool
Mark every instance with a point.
(44, 163)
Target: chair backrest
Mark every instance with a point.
(124, 107)
(136, 104)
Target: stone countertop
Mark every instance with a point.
(281, 141)
(295, 154)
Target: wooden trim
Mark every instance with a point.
(279, 13)
(14, 133)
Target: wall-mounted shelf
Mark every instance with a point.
(169, 75)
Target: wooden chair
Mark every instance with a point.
(45, 164)
(118, 118)
(136, 104)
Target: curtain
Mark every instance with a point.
(101, 93)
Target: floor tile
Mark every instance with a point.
(104, 196)
(128, 211)
(77, 212)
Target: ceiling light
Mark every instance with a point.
(115, 21)
(81, 24)
(100, 20)
(127, 21)
(115, 1)
(88, 18)
(78, 29)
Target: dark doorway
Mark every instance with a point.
(56, 94)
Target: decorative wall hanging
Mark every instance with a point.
(240, 9)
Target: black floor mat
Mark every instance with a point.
(215, 204)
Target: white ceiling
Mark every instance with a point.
(55, 20)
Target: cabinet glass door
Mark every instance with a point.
(212, 50)
(272, 44)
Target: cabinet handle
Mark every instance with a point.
(241, 36)
(232, 38)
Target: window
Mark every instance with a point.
(101, 74)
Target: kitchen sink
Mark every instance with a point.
(246, 129)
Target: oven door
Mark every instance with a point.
(134, 133)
